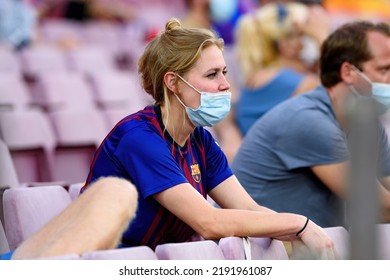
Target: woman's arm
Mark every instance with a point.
(214, 223)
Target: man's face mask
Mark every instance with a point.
(213, 108)
(379, 91)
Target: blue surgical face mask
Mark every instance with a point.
(380, 91)
(213, 108)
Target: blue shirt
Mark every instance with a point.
(141, 150)
(255, 102)
(275, 159)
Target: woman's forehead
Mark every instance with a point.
(210, 58)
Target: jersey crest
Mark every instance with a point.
(195, 172)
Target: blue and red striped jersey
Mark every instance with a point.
(139, 149)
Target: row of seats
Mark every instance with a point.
(58, 91)
(53, 130)
(28, 209)
(45, 58)
(24, 208)
(52, 147)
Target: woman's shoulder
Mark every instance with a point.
(308, 83)
(262, 77)
(138, 123)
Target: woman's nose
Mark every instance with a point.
(224, 84)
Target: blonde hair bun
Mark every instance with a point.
(172, 24)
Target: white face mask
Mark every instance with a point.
(310, 52)
(380, 91)
(213, 108)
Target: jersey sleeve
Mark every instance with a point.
(147, 159)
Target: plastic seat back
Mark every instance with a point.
(257, 248)
(133, 253)
(78, 134)
(4, 247)
(14, 93)
(26, 210)
(58, 91)
(196, 250)
(340, 237)
(9, 62)
(30, 139)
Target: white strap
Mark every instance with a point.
(247, 248)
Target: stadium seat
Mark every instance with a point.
(65, 33)
(43, 58)
(14, 92)
(9, 62)
(30, 139)
(133, 253)
(61, 91)
(196, 250)
(257, 248)
(26, 210)
(117, 89)
(90, 59)
(61, 257)
(4, 247)
(8, 176)
(340, 237)
(105, 34)
(78, 134)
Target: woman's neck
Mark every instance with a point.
(176, 123)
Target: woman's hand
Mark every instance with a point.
(313, 242)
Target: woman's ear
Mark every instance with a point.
(170, 81)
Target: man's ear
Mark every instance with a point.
(170, 81)
(347, 73)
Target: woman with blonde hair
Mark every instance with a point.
(175, 163)
(277, 48)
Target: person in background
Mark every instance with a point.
(17, 24)
(296, 157)
(197, 14)
(94, 221)
(218, 15)
(176, 164)
(277, 51)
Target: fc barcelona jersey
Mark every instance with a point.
(140, 149)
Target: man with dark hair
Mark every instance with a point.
(296, 157)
